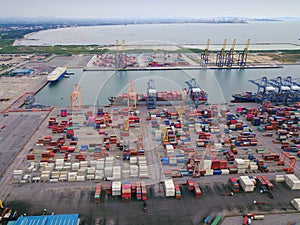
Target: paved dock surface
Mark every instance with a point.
(78, 197)
(19, 127)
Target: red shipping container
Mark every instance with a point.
(30, 157)
(215, 164)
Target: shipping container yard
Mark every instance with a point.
(160, 157)
(234, 159)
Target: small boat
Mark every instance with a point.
(29, 100)
(66, 76)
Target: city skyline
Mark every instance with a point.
(146, 9)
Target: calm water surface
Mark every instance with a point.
(97, 86)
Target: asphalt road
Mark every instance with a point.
(78, 198)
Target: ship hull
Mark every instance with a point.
(57, 74)
(245, 97)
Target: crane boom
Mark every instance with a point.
(243, 55)
(220, 60)
(131, 103)
(230, 54)
(204, 55)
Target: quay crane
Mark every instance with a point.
(151, 95)
(221, 55)
(131, 102)
(76, 101)
(123, 56)
(264, 92)
(230, 54)
(295, 88)
(283, 93)
(195, 93)
(242, 60)
(204, 55)
(120, 57)
(117, 55)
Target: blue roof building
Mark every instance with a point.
(59, 219)
(21, 72)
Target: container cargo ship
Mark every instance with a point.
(57, 74)
(247, 96)
(141, 98)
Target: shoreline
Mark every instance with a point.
(182, 68)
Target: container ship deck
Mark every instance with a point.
(57, 74)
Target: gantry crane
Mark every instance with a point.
(242, 60)
(194, 163)
(229, 55)
(195, 93)
(76, 101)
(151, 95)
(140, 142)
(283, 93)
(123, 56)
(295, 88)
(264, 92)
(220, 60)
(126, 125)
(179, 112)
(131, 103)
(291, 161)
(117, 55)
(204, 55)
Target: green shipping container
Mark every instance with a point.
(260, 128)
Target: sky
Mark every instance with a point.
(148, 8)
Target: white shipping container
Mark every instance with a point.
(84, 164)
(59, 168)
(125, 174)
(63, 178)
(296, 203)
(292, 181)
(80, 178)
(246, 184)
(198, 127)
(116, 185)
(207, 164)
(49, 167)
(169, 147)
(90, 177)
(53, 180)
(170, 153)
(108, 171)
(93, 163)
(82, 171)
(55, 174)
(240, 163)
(279, 178)
(169, 188)
(173, 160)
(133, 160)
(75, 166)
(225, 171)
(253, 167)
(134, 170)
(209, 172)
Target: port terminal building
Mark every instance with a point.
(59, 219)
